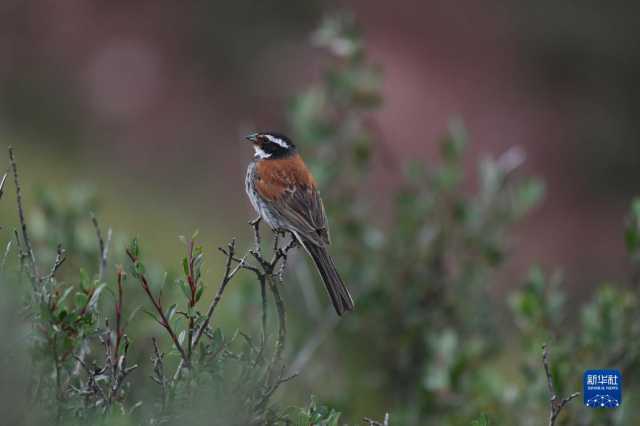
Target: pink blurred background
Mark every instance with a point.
(155, 95)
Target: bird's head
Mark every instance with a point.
(271, 145)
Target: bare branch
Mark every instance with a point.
(265, 271)
(102, 246)
(229, 273)
(164, 322)
(61, 256)
(371, 422)
(283, 255)
(255, 224)
(158, 372)
(556, 404)
(118, 308)
(282, 323)
(7, 250)
(23, 224)
(91, 388)
(21, 254)
(2, 183)
(104, 384)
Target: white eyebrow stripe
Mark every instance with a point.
(278, 141)
(260, 153)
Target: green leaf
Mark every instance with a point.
(134, 248)
(133, 314)
(80, 299)
(452, 146)
(62, 314)
(199, 258)
(171, 312)
(85, 281)
(64, 296)
(528, 195)
(185, 266)
(139, 269)
(151, 314)
(632, 239)
(185, 288)
(96, 296)
(483, 420)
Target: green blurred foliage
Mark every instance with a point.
(314, 414)
(426, 342)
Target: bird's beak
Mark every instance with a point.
(253, 137)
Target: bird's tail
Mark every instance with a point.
(340, 297)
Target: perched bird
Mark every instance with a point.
(284, 194)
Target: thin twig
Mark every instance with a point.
(23, 224)
(556, 404)
(102, 246)
(229, 273)
(118, 308)
(282, 324)
(6, 255)
(104, 383)
(21, 253)
(265, 273)
(263, 296)
(266, 278)
(164, 322)
(92, 386)
(283, 253)
(256, 233)
(4, 181)
(158, 372)
(371, 422)
(60, 259)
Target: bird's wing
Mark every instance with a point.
(290, 190)
(302, 208)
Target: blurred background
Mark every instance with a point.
(146, 102)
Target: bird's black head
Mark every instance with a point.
(271, 145)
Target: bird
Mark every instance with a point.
(285, 195)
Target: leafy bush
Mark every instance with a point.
(427, 338)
